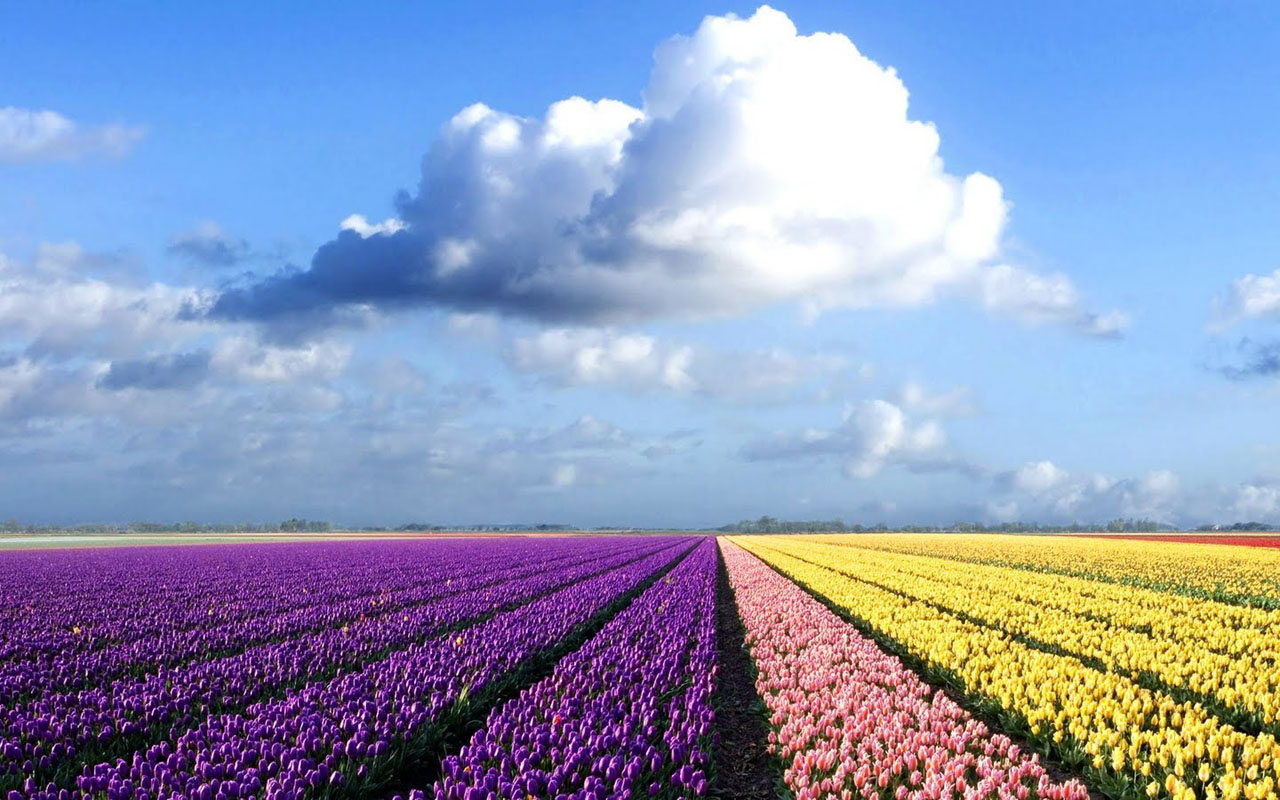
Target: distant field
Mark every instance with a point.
(1242, 539)
(31, 542)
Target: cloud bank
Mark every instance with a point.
(764, 167)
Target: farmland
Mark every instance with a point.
(880, 666)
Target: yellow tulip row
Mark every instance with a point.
(1105, 627)
(1240, 573)
(1222, 627)
(1143, 741)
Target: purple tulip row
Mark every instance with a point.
(69, 601)
(361, 727)
(464, 567)
(627, 715)
(75, 601)
(37, 737)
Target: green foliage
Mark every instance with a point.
(773, 525)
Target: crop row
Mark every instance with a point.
(851, 721)
(1131, 741)
(367, 594)
(75, 601)
(628, 714)
(354, 731)
(37, 738)
(1202, 648)
(1220, 572)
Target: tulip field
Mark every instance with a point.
(1144, 669)
(885, 666)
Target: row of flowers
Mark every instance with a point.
(1228, 655)
(1246, 576)
(225, 618)
(67, 601)
(310, 735)
(849, 721)
(628, 714)
(1131, 741)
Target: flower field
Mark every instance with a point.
(893, 667)
(1145, 691)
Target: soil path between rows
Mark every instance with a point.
(744, 768)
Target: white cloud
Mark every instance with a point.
(60, 311)
(872, 435)
(955, 402)
(641, 363)
(1250, 297)
(1038, 477)
(82, 343)
(27, 136)
(1037, 299)
(1254, 502)
(362, 226)
(764, 167)
(1042, 490)
(248, 359)
(583, 356)
(18, 377)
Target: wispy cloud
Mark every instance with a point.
(641, 363)
(208, 245)
(1252, 359)
(28, 136)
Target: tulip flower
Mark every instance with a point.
(850, 718)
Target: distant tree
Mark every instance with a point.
(1248, 526)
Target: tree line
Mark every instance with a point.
(768, 524)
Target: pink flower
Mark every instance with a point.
(853, 721)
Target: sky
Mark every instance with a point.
(653, 264)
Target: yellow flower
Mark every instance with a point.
(963, 607)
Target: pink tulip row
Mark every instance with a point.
(850, 721)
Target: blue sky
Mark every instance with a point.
(749, 283)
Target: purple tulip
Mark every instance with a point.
(258, 722)
(598, 724)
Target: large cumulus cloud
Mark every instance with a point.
(763, 167)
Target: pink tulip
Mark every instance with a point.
(854, 722)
